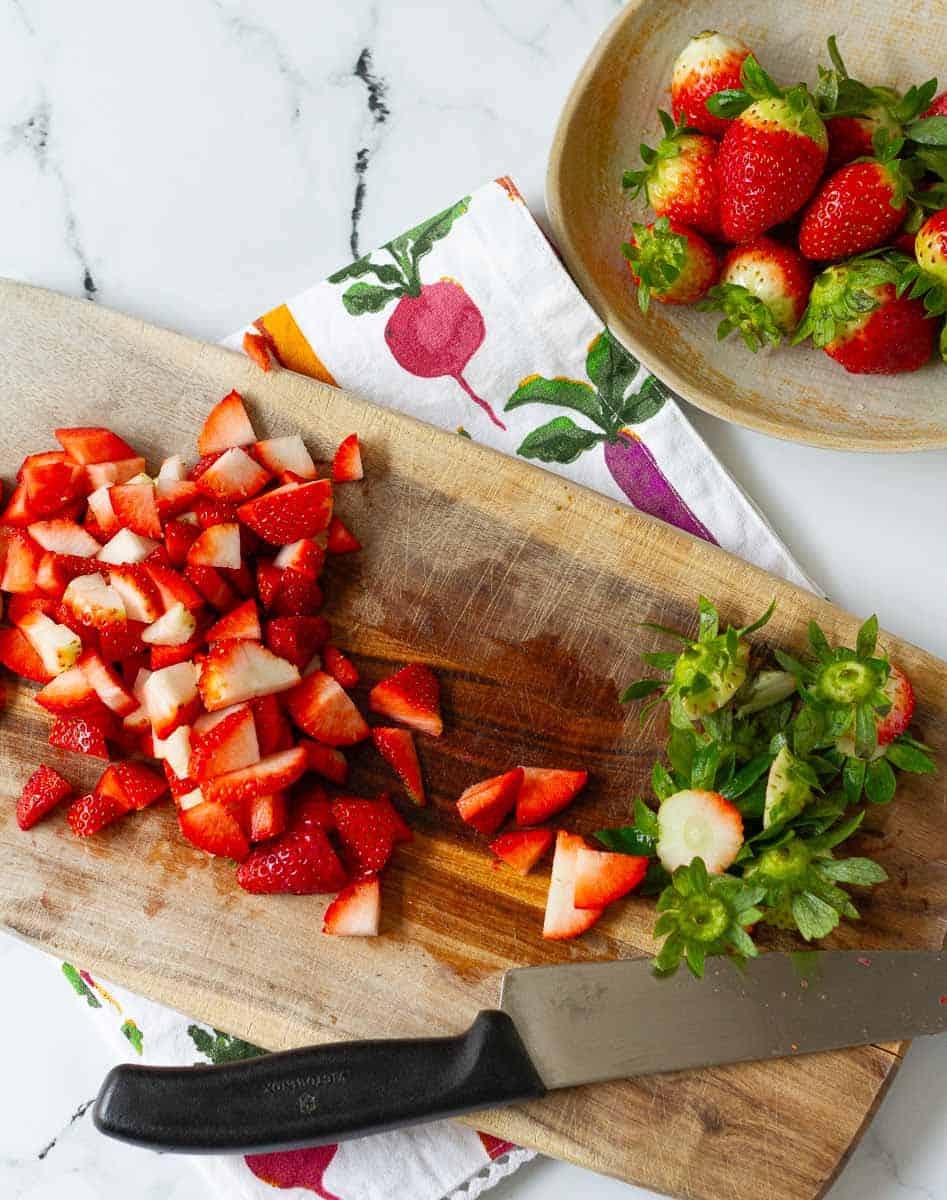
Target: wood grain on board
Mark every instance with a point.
(524, 591)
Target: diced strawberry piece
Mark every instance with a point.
(241, 578)
(297, 638)
(57, 571)
(312, 808)
(255, 347)
(297, 595)
(268, 577)
(487, 804)
(175, 752)
(137, 722)
(176, 627)
(214, 512)
(411, 696)
(101, 515)
(128, 547)
(136, 508)
(563, 920)
(168, 656)
(326, 761)
(178, 538)
(203, 464)
(63, 537)
(369, 830)
(227, 425)
(57, 645)
(322, 709)
(182, 787)
(173, 588)
(175, 497)
(272, 729)
(285, 477)
(237, 670)
(24, 602)
(233, 477)
(340, 539)
(42, 792)
(18, 656)
(212, 827)
(347, 462)
(68, 694)
(341, 669)
(110, 688)
(170, 696)
(602, 877)
(42, 459)
(301, 862)
(262, 778)
(19, 511)
(120, 642)
(52, 485)
(305, 556)
(93, 603)
(356, 910)
(104, 474)
(241, 622)
(138, 784)
(212, 586)
(172, 470)
(545, 792)
(217, 546)
(83, 735)
(21, 563)
(92, 812)
(229, 745)
(523, 849)
(267, 817)
(289, 513)
(140, 595)
(93, 445)
(285, 454)
(396, 746)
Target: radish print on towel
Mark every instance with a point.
(607, 403)
(435, 328)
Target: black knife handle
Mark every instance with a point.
(319, 1094)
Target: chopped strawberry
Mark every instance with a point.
(326, 761)
(396, 746)
(267, 817)
(83, 735)
(487, 804)
(176, 627)
(369, 830)
(56, 571)
(174, 751)
(347, 462)
(168, 656)
(69, 694)
(697, 823)
(57, 645)
(214, 512)
(229, 745)
(340, 539)
(261, 778)
(255, 347)
(94, 603)
(117, 643)
(312, 808)
(522, 849)
(178, 538)
(136, 508)
(93, 445)
(305, 556)
(411, 696)
(19, 511)
(212, 586)
(140, 596)
(233, 477)
(173, 588)
(214, 828)
(51, 486)
(268, 577)
(227, 425)
(297, 638)
(297, 595)
(237, 670)
(289, 513)
(217, 546)
(322, 709)
(356, 910)
(170, 696)
(104, 474)
(21, 564)
(241, 622)
(203, 464)
(127, 546)
(138, 784)
(545, 792)
(42, 792)
(563, 920)
(92, 812)
(341, 669)
(101, 514)
(110, 688)
(301, 862)
(22, 603)
(900, 694)
(285, 454)
(18, 656)
(63, 537)
(602, 877)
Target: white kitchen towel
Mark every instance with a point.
(468, 321)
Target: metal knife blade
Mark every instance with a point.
(587, 1022)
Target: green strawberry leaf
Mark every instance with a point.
(867, 638)
(880, 782)
(757, 82)
(662, 782)
(861, 871)
(363, 298)
(744, 779)
(640, 689)
(910, 758)
(627, 839)
(728, 103)
(559, 441)
(928, 131)
(853, 779)
(814, 918)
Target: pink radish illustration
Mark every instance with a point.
(436, 328)
(606, 402)
(295, 1169)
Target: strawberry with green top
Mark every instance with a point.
(669, 262)
(763, 291)
(709, 63)
(928, 275)
(772, 155)
(679, 178)
(859, 315)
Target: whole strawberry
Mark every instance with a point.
(927, 276)
(771, 157)
(859, 316)
(763, 291)
(679, 178)
(853, 112)
(938, 107)
(709, 63)
(669, 262)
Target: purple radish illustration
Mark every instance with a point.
(606, 402)
(436, 328)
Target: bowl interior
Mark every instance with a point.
(794, 393)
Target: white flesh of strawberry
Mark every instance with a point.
(175, 750)
(140, 603)
(206, 721)
(563, 920)
(242, 749)
(287, 454)
(359, 913)
(93, 601)
(697, 824)
(235, 472)
(64, 537)
(191, 799)
(314, 664)
(138, 687)
(172, 470)
(168, 691)
(174, 628)
(56, 644)
(108, 687)
(126, 547)
(141, 477)
(137, 721)
(217, 546)
(250, 670)
(100, 505)
(188, 518)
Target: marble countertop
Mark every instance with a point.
(197, 161)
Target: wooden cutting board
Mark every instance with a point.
(524, 591)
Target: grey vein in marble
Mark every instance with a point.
(379, 113)
(243, 30)
(76, 1116)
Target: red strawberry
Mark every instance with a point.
(341, 540)
(602, 877)
(120, 642)
(255, 347)
(763, 291)
(411, 696)
(212, 586)
(136, 784)
(108, 685)
(268, 577)
(313, 808)
(83, 735)
(93, 445)
(267, 817)
(227, 425)
(545, 792)
(709, 63)
(289, 513)
(18, 656)
(214, 828)
(297, 595)
(305, 556)
(233, 477)
(169, 656)
(42, 792)
(930, 272)
(241, 622)
(938, 107)
(696, 823)
(213, 512)
(856, 316)
(679, 178)
(68, 694)
(60, 536)
(487, 804)
(670, 263)
(138, 592)
(301, 862)
(900, 693)
(178, 538)
(297, 638)
(341, 669)
(326, 761)
(173, 588)
(170, 698)
(262, 778)
(347, 462)
(396, 746)
(104, 474)
(23, 557)
(236, 670)
(356, 910)
(369, 830)
(241, 578)
(230, 745)
(52, 481)
(563, 920)
(175, 497)
(136, 508)
(22, 603)
(19, 511)
(322, 709)
(90, 813)
(272, 729)
(283, 454)
(217, 546)
(522, 849)
(859, 207)
(771, 157)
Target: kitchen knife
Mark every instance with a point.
(556, 1027)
